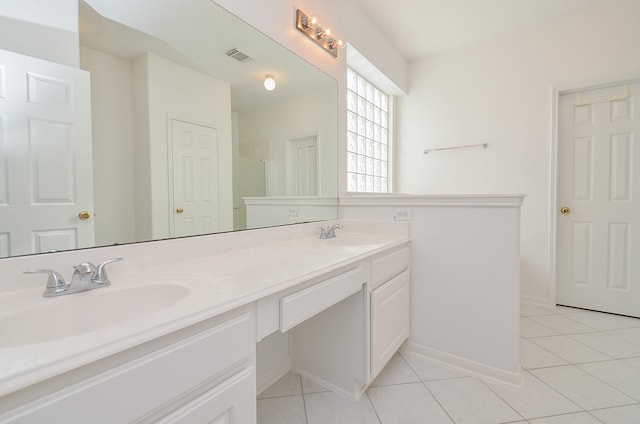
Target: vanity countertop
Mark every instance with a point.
(213, 285)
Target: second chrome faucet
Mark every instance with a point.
(329, 231)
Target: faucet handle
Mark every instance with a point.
(84, 268)
(55, 282)
(100, 274)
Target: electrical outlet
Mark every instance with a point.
(293, 211)
(403, 214)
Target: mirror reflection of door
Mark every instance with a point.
(302, 166)
(196, 207)
(46, 179)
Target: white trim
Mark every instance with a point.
(477, 369)
(456, 200)
(536, 301)
(553, 195)
(354, 396)
(606, 84)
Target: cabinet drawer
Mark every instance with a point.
(231, 402)
(132, 390)
(304, 304)
(385, 267)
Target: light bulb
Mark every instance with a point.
(269, 83)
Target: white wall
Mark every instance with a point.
(500, 92)
(176, 92)
(112, 129)
(25, 23)
(312, 113)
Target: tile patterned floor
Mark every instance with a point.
(579, 367)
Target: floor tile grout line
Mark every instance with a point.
(373, 406)
(577, 365)
(535, 322)
(609, 384)
(586, 345)
(503, 400)
(551, 353)
(304, 404)
(570, 362)
(304, 400)
(620, 338)
(424, 384)
(588, 325)
(557, 391)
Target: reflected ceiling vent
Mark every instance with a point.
(238, 55)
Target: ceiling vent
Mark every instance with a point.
(238, 55)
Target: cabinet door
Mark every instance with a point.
(389, 320)
(231, 402)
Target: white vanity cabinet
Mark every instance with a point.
(341, 329)
(204, 371)
(390, 303)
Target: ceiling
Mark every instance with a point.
(419, 28)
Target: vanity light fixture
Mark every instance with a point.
(269, 82)
(310, 27)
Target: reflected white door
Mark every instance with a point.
(598, 234)
(302, 166)
(196, 207)
(46, 177)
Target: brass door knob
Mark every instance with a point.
(84, 215)
(179, 210)
(565, 210)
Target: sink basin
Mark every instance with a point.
(353, 240)
(80, 313)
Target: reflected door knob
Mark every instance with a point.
(179, 210)
(565, 210)
(84, 215)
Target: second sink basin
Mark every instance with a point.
(81, 313)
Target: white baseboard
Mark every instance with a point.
(354, 396)
(266, 379)
(536, 301)
(465, 365)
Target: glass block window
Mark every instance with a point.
(367, 136)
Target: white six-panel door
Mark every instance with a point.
(46, 162)
(196, 205)
(598, 221)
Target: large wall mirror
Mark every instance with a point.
(182, 137)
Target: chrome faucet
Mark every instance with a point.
(329, 231)
(86, 276)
